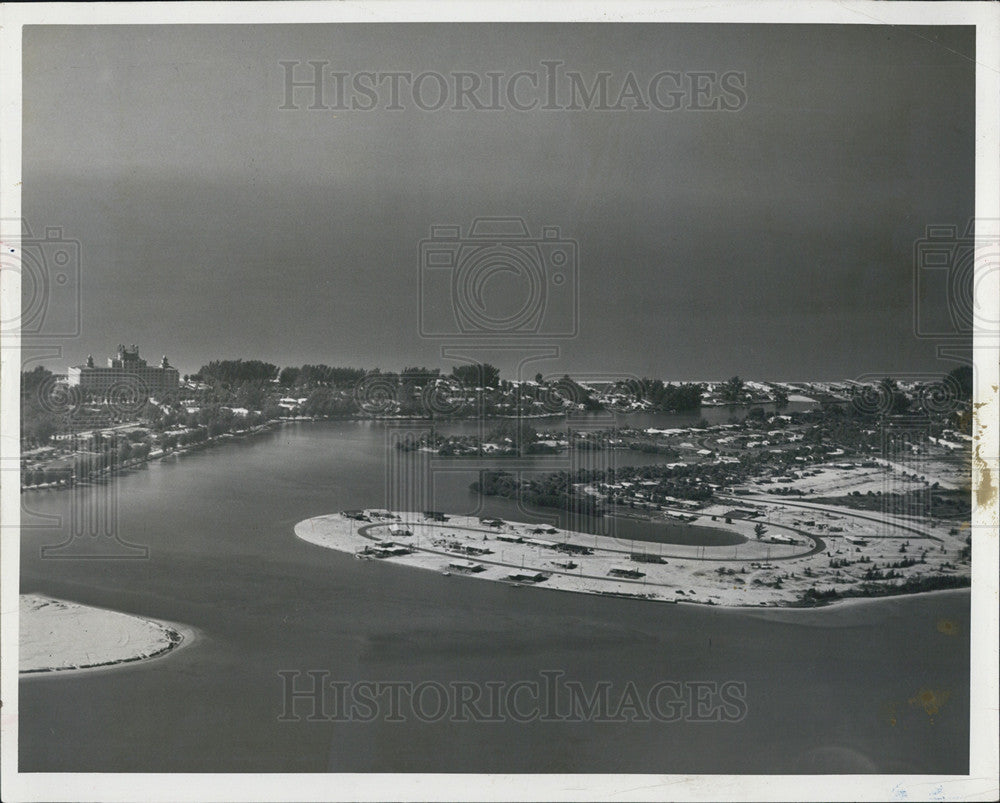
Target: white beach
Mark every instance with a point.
(61, 636)
(757, 572)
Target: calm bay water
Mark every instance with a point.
(826, 691)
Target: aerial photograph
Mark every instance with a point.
(497, 397)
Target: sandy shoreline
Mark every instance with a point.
(752, 575)
(58, 638)
(840, 604)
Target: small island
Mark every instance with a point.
(59, 636)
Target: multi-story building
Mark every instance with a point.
(126, 369)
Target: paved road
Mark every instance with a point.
(841, 512)
(818, 546)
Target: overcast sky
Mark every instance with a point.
(775, 241)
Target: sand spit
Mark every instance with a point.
(757, 572)
(59, 636)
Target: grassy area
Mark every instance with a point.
(937, 503)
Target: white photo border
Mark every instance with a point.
(980, 784)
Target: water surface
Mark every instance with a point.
(826, 691)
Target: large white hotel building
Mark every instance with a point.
(125, 367)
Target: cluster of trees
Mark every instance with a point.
(600, 442)
(884, 399)
(680, 482)
(874, 573)
(100, 453)
(420, 391)
(110, 454)
(524, 437)
(469, 390)
(949, 396)
(735, 391)
(38, 422)
(947, 504)
(666, 397)
(685, 482)
(329, 403)
(961, 379)
(913, 584)
(870, 421)
(40, 476)
(477, 375)
(732, 390)
(95, 454)
(552, 490)
(229, 372)
(310, 376)
(214, 419)
(813, 595)
(688, 488)
(32, 381)
(511, 436)
(171, 440)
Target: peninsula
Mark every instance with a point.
(783, 563)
